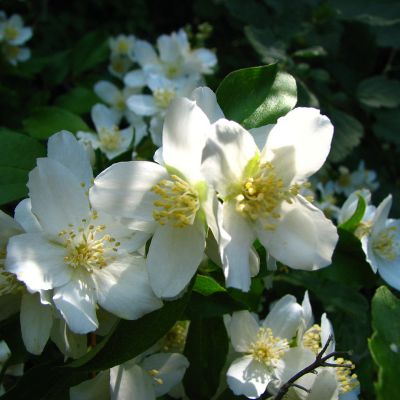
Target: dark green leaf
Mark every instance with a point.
(379, 91)
(206, 349)
(18, 155)
(46, 121)
(385, 343)
(206, 286)
(311, 52)
(79, 100)
(131, 338)
(387, 125)
(257, 96)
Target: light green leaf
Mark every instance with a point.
(79, 100)
(206, 285)
(385, 343)
(379, 91)
(257, 96)
(347, 135)
(45, 121)
(18, 155)
(352, 223)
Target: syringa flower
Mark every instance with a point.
(260, 192)
(85, 257)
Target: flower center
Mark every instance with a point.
(179, 202)
(163, 97)
(87, 246)
(120, 102)
(267, 348)
(386, 244)
(120, 64)
(262, 193)
(312, 339)
(153, 374)
(174, 340)
(123, 47)
(10, 33)
(110, 139)
(347, 380)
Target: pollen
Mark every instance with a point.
(153, 374)
(178, 203)
(268, 349)
(123, 47)
(88, 247)
(163, 97)
(174, 341)
(312, 339)
(110, 139)
(386, 244)
(347, 379)
(262, 193)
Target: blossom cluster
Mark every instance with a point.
(152, 78)
(13, 35)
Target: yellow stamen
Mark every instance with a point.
(163, 97)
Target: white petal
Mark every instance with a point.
(243, 330)
(8, 228)
(307, 311)
(303, 238)
(206, 60)
(381, 215)
(37, 262)
(184, 136)
(308, 133)
(285, 317)
(390, 272)
(325, 387)
(326, 333)
(36, 321)
(168, 49)
(123, 288)
(173, 258)
(260, 135)
(131, 383)
(104, 117)
(64, 148)
(124, 189)
(228, 150)
(97, 388)
(142, 104)
(171, 368)
(247, 377)
(235, 253)
(88, 137)
(206, 99)
(24, 35)
(77, 303)
(57, 197)
(135, 79)
(156, 127)
(370, 256)
(144, 53)
(107, 92)
(24, 216)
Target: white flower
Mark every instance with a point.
(260, 192)
(143, 378)
(84, 256)
(15, 54)
(13, 32)
(172, 199)
(122, 45)
(380, 240)
(263, 344)
(111, 140)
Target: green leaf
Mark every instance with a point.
(131, 338)
(206, 349)
(385, 343)
(79, 100)
(352, 223)
(379, 91)
(387, 125)
(45, 121)
(206, 285)
(257, 96)
(89, 52)
(310, 52)
(18, 155)
(347, 135)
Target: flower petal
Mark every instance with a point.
(170, 366)
(24, 216)
(123, 288)
(64, 148)
(37, 262)
(104, 117)
(124, 189)
(303, 237)
(77, 303)
(135, 79)
(97, 388)
(243, 329)
(285, 317)
(173, 258)
(247, 377)
(142, 104)
(144, 53)
(36, 321)
(228, 150)
(58, 199)
(184, 137)
(107, 91)
(206, 99)
(309, 133)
